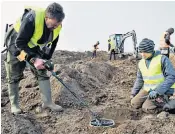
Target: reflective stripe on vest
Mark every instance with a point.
(163, 44)
(39, 27)
(152, 76)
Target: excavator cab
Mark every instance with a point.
(118, 40)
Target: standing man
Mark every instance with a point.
(94, 54)
(155, 77)
(165, 42)
(33, 38)
(111, 49)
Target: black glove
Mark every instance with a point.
(46, 56)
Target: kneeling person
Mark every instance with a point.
(155, 77)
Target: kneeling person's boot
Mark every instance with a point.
(170, 105)
(13, 90)
(45, 90)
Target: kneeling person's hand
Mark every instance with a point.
(152, 94)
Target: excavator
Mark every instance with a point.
(119, 40)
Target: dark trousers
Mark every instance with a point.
(94, 55)
(112, 53)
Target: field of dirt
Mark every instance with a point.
(105, 85)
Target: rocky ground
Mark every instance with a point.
(103, 84)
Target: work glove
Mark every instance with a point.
(20, 55)
(38, 63)
(153, 94)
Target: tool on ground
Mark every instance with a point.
(96, 120)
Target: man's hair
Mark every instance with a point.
(55, 10)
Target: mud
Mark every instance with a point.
(105, 85)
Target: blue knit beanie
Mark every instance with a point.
(146, 46)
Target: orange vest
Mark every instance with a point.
(163, 44)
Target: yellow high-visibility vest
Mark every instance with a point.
(152, 76)
(112, 44)
(39, 27)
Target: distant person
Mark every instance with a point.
(33, 38)
(95, 47)
(111, 49)
(165, 42)
(155, 77)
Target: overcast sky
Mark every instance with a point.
(90, 21)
